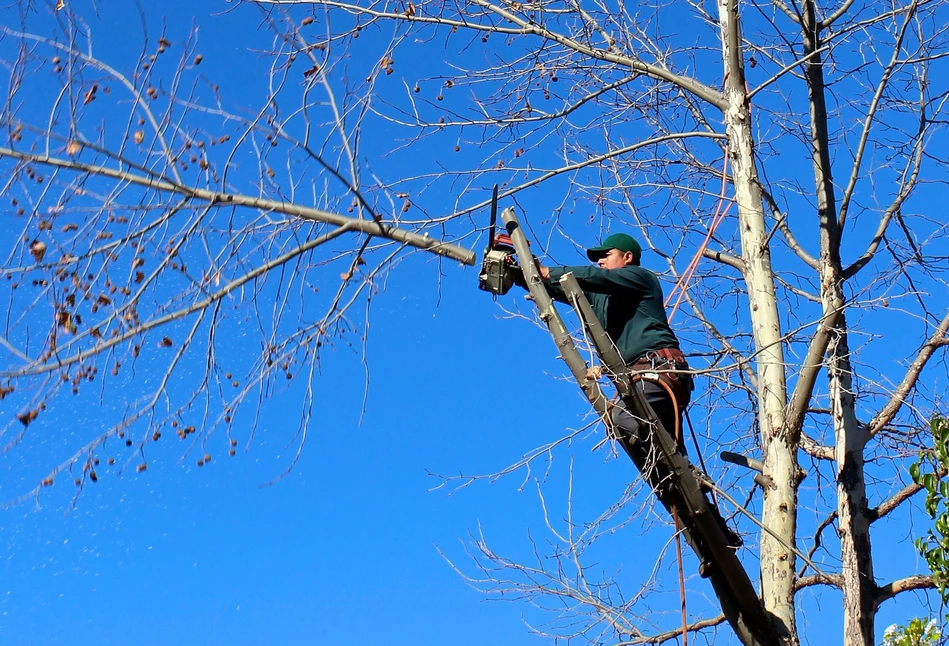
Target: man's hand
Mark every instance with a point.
(544, 271)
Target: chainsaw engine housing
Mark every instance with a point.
(496, 274)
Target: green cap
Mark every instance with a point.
(621, 241)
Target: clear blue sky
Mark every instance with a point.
(345, 548)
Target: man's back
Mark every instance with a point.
(627, 302)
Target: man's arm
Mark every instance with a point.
(602, 281)
(553, 288)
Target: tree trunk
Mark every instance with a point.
(850, 438)
(779, 450)
(856, 560)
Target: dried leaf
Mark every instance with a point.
(139, 136)
(66, 322)
(90, 95)
(27, 417)
(60, 5)
(594, 373)
(38, 250)
(73, 148)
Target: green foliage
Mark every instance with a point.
(930, 473)
(918, 633)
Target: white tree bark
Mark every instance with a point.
(780, 451)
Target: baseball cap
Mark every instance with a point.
(622, 241)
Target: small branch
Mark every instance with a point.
(855, 173)
(827, 522)
(787, 68)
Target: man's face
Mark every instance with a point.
(615, 259)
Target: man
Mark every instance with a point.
(627, 300)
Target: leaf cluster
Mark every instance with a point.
(930, 473)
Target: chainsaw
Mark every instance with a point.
(499, 269)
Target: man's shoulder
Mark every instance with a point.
(639, 274)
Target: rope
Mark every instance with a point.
(682, 284)
(675, 513)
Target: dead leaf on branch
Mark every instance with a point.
(29, 416)
(38, 250)
(66, 322)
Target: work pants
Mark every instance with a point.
(657, 397)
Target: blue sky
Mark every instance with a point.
(345, 548)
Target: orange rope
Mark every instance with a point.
(683, 283)
(675, 514)
(685, 619)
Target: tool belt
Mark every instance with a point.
(660, 362)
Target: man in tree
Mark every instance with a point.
(627, 300)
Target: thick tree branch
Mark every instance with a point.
(661, 638)
(527, 27)
(371, 227)
(810, 369)
(899, 498)
(917, 582)
(833, 580)
(725, 259)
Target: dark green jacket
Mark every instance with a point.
(627, 302)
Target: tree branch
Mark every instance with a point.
(898, 498)
(898, 398)
(371, 227)
(889, 590)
